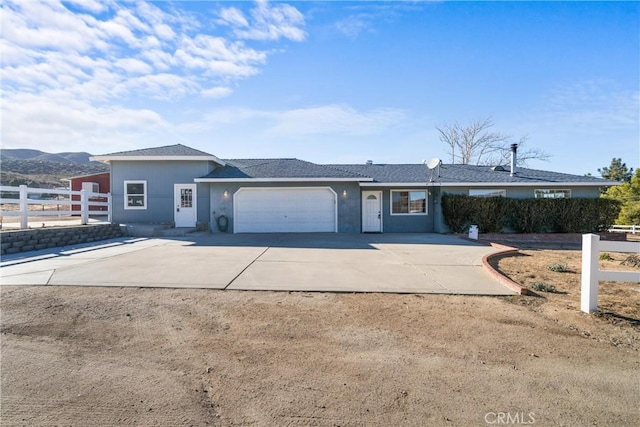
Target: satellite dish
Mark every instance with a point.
(433, 163)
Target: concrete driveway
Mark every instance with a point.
(403, 263)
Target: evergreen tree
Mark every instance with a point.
(617, 171)
(629, 194)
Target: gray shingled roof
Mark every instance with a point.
(389, 173)
(382, 173)
(415, 173)
(277, 168)
(169, 150)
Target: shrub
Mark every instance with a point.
(543, 287)
(532, 215)
(457, 211)
(559, 268)
(605, 256)
(632, 261)
(494, 214)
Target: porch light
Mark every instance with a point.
(225, 194)
(344, 193)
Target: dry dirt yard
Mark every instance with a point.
(125, 356)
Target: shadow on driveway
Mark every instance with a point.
(325, 240)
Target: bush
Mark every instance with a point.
(543, 287)
(495, 214)
(457, 211)
(559, 268)
(532, 215)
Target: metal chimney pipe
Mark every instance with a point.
(514, 159)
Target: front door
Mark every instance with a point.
(372, 211)
(185, 205)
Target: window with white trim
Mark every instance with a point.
(135, 194)
(488, 192)
(552, 194)
(408, 202)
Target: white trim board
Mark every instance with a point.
(107, 159)
(281, 179)
(536, 184)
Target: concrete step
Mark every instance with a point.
(157, 230)
(174, 232)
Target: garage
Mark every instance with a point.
(285, 210)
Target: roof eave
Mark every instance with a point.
(85, 176)
(490, 184)
(290, 179)
(109, 159)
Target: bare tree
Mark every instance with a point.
(475, 143)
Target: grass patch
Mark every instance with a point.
(543, 287)
(605, 256)
(559, 268)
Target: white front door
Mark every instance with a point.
(372, 211)
(185, 205)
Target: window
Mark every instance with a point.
(488, 192)
(552, 194)
(135, 194)
(408, 202)
(186, 198)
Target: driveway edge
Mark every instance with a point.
(501, 278)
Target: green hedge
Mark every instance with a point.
(496, 214)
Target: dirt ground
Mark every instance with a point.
(126, 356)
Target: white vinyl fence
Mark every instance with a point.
(21, 201)
(591, 273)
(633, 229)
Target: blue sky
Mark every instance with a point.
(328, 82)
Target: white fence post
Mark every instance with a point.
(109, 207)
(24, 207)
(84, 207)
(590, 258)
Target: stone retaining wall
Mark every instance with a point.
(43, 238)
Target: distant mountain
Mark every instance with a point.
(36, 168)
(26, 154)
(19, 154)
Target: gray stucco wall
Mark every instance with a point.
(405, 223)
(349, 218)
(161, 177)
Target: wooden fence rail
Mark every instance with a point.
(22, 196)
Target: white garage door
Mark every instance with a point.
(289, 210)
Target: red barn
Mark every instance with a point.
(97, 183)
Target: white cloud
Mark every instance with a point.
(353, 26)
(217, 92)
(160, 86)
(69, 63)
(329, 119)
(266, 23)
(233, 17)
(593, 104)
(133, 66)
(335, 119)
(39, 25)
(89, 5)
(65, 123)
(165, 32)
